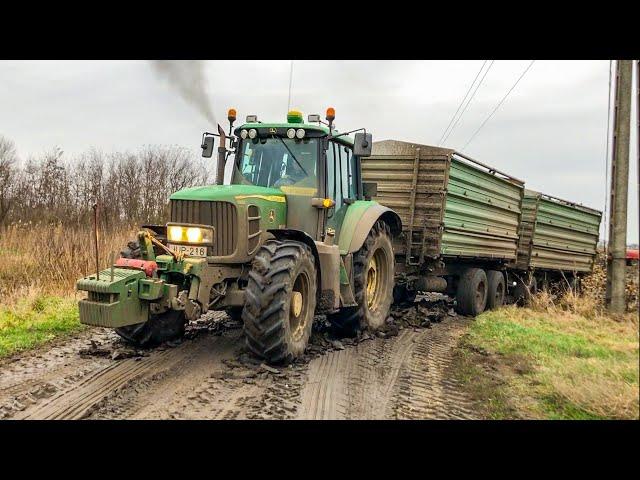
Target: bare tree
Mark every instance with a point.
(8, 160)
(131, 188)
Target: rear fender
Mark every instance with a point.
(358, 221)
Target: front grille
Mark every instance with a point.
(222, 215)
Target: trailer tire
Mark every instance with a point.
(524, 290)
(497, 289)
(280, 301)
(373, 281)
(472, 292)
(160, 328)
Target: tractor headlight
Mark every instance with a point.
(244, 134)
(177, 233)
(253, 133)
(291, 133)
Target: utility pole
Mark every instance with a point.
(616, 261)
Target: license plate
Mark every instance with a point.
(189, 250)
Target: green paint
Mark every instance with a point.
(348, 227)
(481, 214)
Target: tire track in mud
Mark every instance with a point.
(404, 374)
(403, 377)
(426, 387)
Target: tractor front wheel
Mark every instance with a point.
(159, 328)
(280, 301)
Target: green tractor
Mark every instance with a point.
(294, 235)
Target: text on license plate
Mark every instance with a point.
(189, 250)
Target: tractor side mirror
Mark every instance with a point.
(369, 190)
(207, 147)
(362, 144)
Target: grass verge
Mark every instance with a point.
(551, 364)
(34, 320)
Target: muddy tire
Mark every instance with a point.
(280, 301)
(160, 328)
(472, 292)
(524, 290)
(373, 281)
(497, 289)
(132, 250)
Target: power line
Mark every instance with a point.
(460, 106)
(290, 81)
(469, 101)
(498, 105)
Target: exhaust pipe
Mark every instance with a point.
(222, 153)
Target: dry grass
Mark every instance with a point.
(581, 363)
(49, 259)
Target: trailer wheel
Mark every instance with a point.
(496, 292)
(159, 328)
(373, 278)
(280, 301)
(524, 290)
(472, 292)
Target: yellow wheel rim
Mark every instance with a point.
(296, 304)
(372, 281)
(299, 306)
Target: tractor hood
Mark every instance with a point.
(230, 193)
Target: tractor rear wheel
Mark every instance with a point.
(373, 280)
(280, 301)
(495, 297)
(472, 292)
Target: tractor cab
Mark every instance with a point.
(314, 165)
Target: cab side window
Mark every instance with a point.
(334, 171)
(348, 173)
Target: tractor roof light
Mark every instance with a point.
(252, 119)
(253, 133)
(313, 118)
(291, 133)
(231, 115)
(331, 114)
(244, 133)
(295, 116)
(300, 133)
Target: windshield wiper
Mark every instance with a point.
(293, 156)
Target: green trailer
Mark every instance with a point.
(460, 221)
(558, 238)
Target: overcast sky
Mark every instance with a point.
(550, 132)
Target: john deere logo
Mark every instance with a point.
(272, 215)
(273, 130)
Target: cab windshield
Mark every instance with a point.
(279, 162)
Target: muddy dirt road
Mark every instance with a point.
(404, 373)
